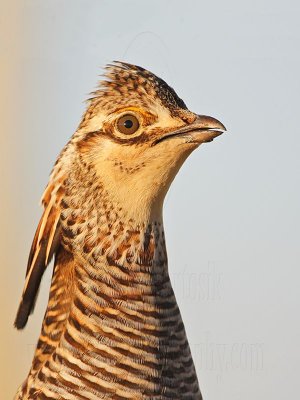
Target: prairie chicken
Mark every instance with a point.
(112, 328)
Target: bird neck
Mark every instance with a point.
(127, 289)
(103, 226)
(125, 248)
(117, 241)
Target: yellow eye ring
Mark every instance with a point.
(128, 124)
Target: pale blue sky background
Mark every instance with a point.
(232, 214)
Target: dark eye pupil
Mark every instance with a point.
(128, 124)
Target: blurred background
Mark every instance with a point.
(236, 274)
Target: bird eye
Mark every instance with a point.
(128, 124)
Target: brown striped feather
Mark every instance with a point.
(45, 243)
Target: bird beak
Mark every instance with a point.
(204, 129)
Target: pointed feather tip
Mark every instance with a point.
(22, 316)
(125, 65)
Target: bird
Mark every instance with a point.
(112, 328)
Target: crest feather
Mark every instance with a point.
(120, 77)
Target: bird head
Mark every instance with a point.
(136, 134)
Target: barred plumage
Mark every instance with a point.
(112, 328)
